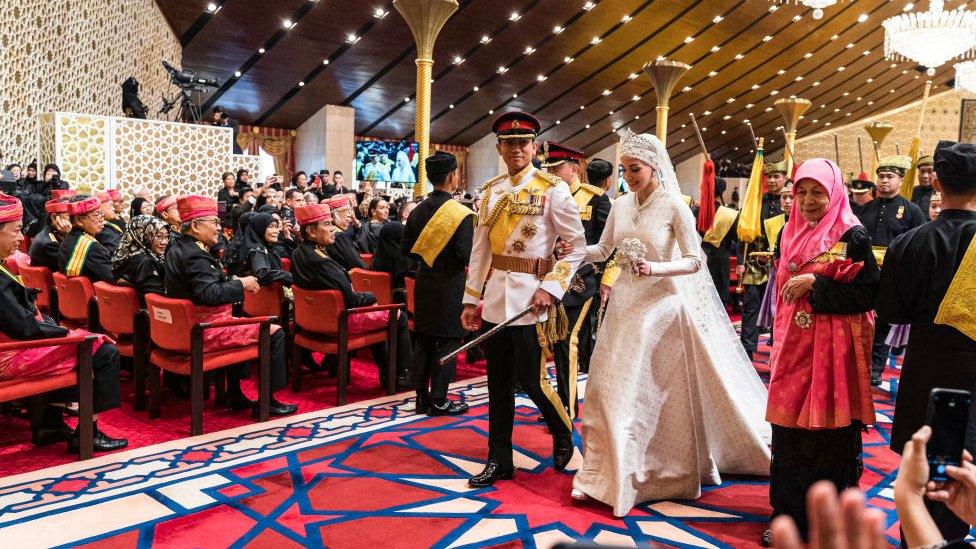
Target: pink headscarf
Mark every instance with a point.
(800, 243)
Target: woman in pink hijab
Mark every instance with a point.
(819, 391)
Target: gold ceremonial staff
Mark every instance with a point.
(792, 110)
(425, 18)
(665, 75)
(878, 132)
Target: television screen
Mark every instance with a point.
(387, 161)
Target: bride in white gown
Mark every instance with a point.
(672, 398)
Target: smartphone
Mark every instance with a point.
(948, 416)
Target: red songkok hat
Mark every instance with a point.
(85, 206)
(56, 206)
(313, 213)
(58, 194)
(557, 153)
(165, 204)
(10, 208)
(338, 202)
(114, 194)
(103, 196)
(193, 206)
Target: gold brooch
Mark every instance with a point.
(528, 230)
(518, 246)
(803, 320)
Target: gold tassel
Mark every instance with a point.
(555, 328)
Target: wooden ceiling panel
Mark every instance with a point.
(375, 74)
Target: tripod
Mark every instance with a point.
(189, 110)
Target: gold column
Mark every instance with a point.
(425, 19)
(792, 110)
(665, 75)
(878, 132)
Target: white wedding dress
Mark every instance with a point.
(672, 398)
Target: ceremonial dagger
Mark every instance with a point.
(477, 341)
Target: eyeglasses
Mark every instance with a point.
(213, 220)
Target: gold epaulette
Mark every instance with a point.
(593, 189)
(552, 180)
(493, 180)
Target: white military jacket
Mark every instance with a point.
(521, 217)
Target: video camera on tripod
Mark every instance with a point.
(190, 85)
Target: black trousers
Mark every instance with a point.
(105, 386)
(752, 301)
(430, 379)
(803, 457)
(514, 355)
(572, 354)
(719, 267)
(279, 370)
(380, 354)
(881, 350)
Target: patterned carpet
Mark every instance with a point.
(373, 474)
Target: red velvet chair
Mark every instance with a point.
(75, 301)
(272, 301)
(177, 340)
(322, 325)
(379, 283)
(122, 317)
(411, 284)
(83, 377)
(41, 278)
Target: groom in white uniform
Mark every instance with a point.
(523, 212)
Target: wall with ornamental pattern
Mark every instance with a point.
(72, 56)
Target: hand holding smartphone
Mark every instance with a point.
(948, 416)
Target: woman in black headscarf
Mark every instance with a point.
(262, 231)
(138, 261)
(377, 214)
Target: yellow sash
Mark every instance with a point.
(879, 254)
(78, 255)
(724, 218)
(958, 307)
(17, 279)
(507, 222)
(773, 226)
(439, 230)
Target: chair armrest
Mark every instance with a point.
(237, 321)
(38, 343)
(371, 308)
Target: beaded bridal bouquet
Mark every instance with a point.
(630, 253)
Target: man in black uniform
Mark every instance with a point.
(193, 273)
(314, 269)
(925, 282)
(755, 270)
(44, 246)
(438, 235)
(719, 243)
(572, 354)
(922, 194)
(80, 254)
(862, 192)
(111, 233)
(886, 217)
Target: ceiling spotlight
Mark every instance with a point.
(749, 105)
(773, 8)
(774, 92)
(606, 92)
(301, 84)
(726, 117)
(706, 113)
(815, 84)
(451, 106)
(558, 122)
(870, 80)
(529, 50)
(841, 68)
(637, 117)
(798, 78)
(866, 52)
(515, 16)
(908, 6)
(582, 107)
(286, 24)
(849, 45)
(625, 19)
(689, 39)
(541, 78)
(485, 39)
(834, 37)
(476, 88)
(588, 5)
(767, 38)
(738, 56)
(567, 59)
(768, 109)
(502, 70)
(491, 111)
(715, 49)
(325, 61)
(514, 96)
(458, 60)
(379, 13)
(632, 76)
(587, 126)
(557, 29)
(237, 74)
(781, 72)
(730, 100)
(596, 40)
(797, 17)
(712, 73)
(211, 7)
(635, 98)
(723, 131)
(610, 113)
(352, 38)
(406, 99)
(862, 18)
(755, 87)
(718, 19)
(261, 50)
(686, 89)
(807, 55)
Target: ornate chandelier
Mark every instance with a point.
(930, 38)
(966, 76)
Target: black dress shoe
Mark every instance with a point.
(276, 409)
(493, 471)
(562, 450)
(102, 443)
(448, 408)
(49, 435)
(237, 401)
(423, 407)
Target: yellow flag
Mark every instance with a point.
(749, 218)
(908, 184)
